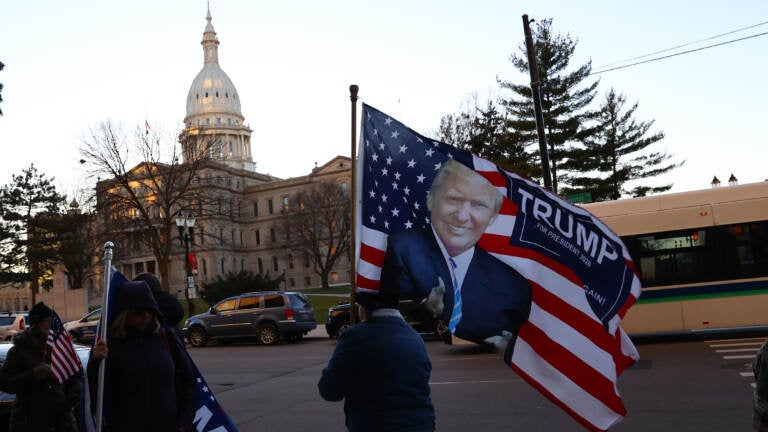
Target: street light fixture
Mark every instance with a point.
(187, 236)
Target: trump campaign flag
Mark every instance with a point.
(572, 348)
(209, 415)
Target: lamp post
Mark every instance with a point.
(186, 226)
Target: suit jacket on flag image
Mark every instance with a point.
(582, 279)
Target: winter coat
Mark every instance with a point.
(149, 384)
(41, 405)
(381, 369)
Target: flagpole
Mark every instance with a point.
(353, 234)
(108, 252)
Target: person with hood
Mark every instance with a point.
(149, 384)
(171, 310)
(381, 369)
(41, 404)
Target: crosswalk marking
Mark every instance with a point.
(736, 350)
(737, 357)
(755, 344)
(747, 374)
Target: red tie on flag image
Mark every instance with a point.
(64, 360)
(571, 348)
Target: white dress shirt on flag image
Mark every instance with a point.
(572, 348)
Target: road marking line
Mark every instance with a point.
(761, 340)
(753, 385)
(735, 350)
(475, 382)
(734, 357)
(746, 374)
(736, 344)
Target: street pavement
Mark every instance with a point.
(681, 386)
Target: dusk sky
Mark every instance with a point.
(71, 65)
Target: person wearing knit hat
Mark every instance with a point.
(41, 403)
(146, 372)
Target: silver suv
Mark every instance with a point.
(267, 315)
(12, 323)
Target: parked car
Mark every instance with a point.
(269, 316)
(84, 330)
(12, 323)
(6, 399)
(414, 313)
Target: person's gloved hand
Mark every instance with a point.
(41, 372)
(434, 301)
(501, 341)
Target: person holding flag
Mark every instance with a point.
(44, 373)
(149, 382)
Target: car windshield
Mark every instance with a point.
(299, 301)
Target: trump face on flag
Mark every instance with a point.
(483, 300)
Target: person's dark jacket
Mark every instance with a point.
(149, 384)
(40, 404)
(381, 369)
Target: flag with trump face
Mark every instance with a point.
(64, 359)
(572, 348)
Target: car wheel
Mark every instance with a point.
(342, 326)
(197, 337)
(268, 334)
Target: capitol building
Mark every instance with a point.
(245, 231)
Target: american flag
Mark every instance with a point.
(64, 359)
(572, 348)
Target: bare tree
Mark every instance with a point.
(317, 225)
(138, 204)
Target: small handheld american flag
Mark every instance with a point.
(64, 360)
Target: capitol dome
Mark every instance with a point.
(212, 94)
(214, 124)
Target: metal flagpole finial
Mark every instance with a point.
(108, 248)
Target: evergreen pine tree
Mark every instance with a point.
(565, 100)
(617, 154)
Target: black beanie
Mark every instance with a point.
(38, 312)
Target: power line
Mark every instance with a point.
(680, 53)
(683, 45)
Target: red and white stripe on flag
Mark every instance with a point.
(64, 359)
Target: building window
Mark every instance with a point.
(344, 188)
(306, 260)
(290, 261)
(275, 267)
(242, 241)
(202, 237)
(334, 277)
(205, 267)
(221, 235)
(255, 208)
(292, 281)
(285, 203)
(242, 264)
(272, 235)
(258, 237)
(222, 266)
(271, 206)
(260, 265)
(307, 281)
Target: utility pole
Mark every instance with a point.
(536, 95)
